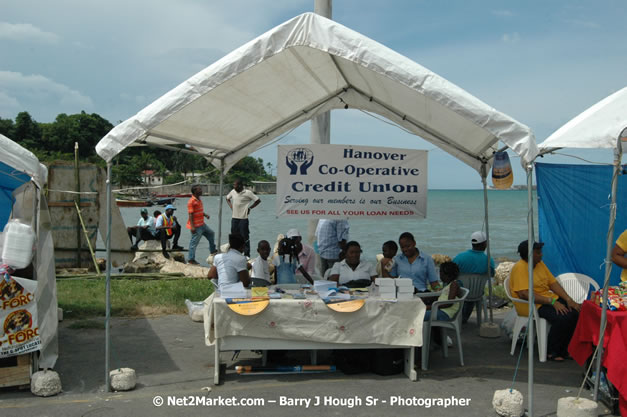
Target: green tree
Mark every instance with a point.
(249, 169)
(7, 128)
(27, 131)
(173, 178)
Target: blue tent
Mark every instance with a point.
(19, 169)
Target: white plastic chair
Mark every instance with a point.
(542, 326)
(577, 286)
(455, 324)
(476, 284)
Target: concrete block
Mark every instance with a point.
(508, 403)
(576, 407)
(123, 379)
(490, 330)
(45, 383)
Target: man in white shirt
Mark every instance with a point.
(145, 229)
(231, 267)
(239, 200)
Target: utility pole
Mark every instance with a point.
(321, 124)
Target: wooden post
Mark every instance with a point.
(77, 201)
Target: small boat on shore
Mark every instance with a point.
(125, 202)
(183, 195)
(164, 201)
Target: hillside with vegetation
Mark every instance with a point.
(55, 141)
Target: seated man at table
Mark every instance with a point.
(412, 263)
(352, 268)
(552, 302)
(231, 267)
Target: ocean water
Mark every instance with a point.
(452, 216)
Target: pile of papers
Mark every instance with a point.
(236, 290)
(322, 286)
(387, 287)
(404, 288)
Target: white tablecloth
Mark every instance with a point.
(379, 322)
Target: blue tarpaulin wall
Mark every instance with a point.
(10, 179)
(573, 216)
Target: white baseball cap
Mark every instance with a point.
(478, 237)
(293, 233)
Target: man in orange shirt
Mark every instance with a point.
(196, 224)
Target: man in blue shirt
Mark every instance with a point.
(412, 263)
(332, 236)
(474, 261)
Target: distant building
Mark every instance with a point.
(263, 187)
(150, 177)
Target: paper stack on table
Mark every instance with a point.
(404, 288)
(387, 288)
(322, 286)
(236, 290)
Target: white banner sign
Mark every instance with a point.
(343, 181)
(18, 316)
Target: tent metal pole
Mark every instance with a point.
(618, 156)
(484, 174)
(108, 282)
(320, 132)
(530, 320)
(220, 193)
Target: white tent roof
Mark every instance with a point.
(299, 69)
(600, 126)
(22, 160)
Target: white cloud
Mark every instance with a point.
(9, 105)
(583, 23)
(41, 96)
(26, 32)
(510, 37)
(502, 13)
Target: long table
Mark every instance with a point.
(309, 324)
(586, 337)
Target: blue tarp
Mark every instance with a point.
(10, 179)
(573, 216)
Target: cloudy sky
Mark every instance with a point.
(540, 62)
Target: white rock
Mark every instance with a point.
(573, 407)
(123, 379)
(502, 271)
(193, 271)
(45, 383)
(60, 313)
(508, 404)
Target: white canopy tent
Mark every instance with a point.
(604, 126)
(302, 68)
(22, 178)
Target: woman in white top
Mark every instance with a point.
(352, 268)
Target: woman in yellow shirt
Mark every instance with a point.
(618, 254)
(552, 302)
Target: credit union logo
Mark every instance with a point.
(299, 160)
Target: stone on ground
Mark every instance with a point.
(45, 383)
(576, 407)
(123, 379)
(508, 403)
